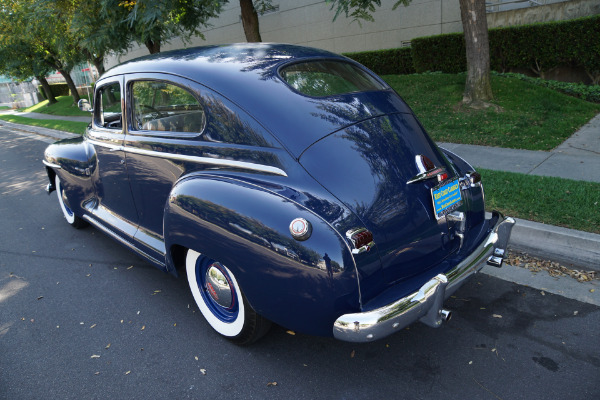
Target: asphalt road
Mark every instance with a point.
(81, 317)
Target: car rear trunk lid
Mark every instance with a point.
(367, 166)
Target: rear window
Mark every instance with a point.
(328, 78)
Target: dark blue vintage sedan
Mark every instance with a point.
(292, 184)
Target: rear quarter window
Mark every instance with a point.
(328, 78)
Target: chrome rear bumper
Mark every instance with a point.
(426, 303)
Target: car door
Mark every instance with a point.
(114, 207)
(176, 126)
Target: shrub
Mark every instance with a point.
(386, 62)
(445, 53)
(590, 93)
(538, 47)
(58, 89)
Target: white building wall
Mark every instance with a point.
(309, 23)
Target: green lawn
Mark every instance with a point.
(64, 106)
(4, 108)
(554, 201)
(68, 126)
(532, 117)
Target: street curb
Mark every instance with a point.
(569, 246)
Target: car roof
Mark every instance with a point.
(247, 74)
(209, 60)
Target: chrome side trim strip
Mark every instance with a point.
(151, 240)
(426, 303)
(121, 240)
(201, 160)
(51, 165)
(111, 147)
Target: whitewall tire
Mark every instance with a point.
(221, 301)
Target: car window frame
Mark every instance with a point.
(97, 101)
(174, 80)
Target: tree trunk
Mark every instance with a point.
(47, 89)
(71, 85)
(250, 21)
(99, 64)
(478, 89)
(153, 47)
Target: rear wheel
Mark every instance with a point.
(71, 218)
(221, 301)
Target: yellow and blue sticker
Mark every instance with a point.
(446, 198)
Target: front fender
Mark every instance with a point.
(71, 160)
(302, 285)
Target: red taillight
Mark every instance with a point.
(424, 164)
(442, 177)
(361, 239)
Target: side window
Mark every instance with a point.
(109, 115)
(161, 106)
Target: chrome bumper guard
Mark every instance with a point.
(426, 303)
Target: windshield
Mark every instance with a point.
(328, 78)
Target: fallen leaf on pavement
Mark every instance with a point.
(272, 384)
(496, 315)
(554, 269)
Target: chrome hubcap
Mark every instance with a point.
(218, 287)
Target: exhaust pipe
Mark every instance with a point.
(446, 315)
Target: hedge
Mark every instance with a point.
(386, 62)
(58, 89)
(538, 47)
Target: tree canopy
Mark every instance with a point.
(154, 22)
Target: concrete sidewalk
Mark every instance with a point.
(578, 158)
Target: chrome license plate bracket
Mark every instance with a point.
(446, 198)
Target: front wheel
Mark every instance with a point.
(71, 218)
(221, 301)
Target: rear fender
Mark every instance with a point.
(302, 285)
